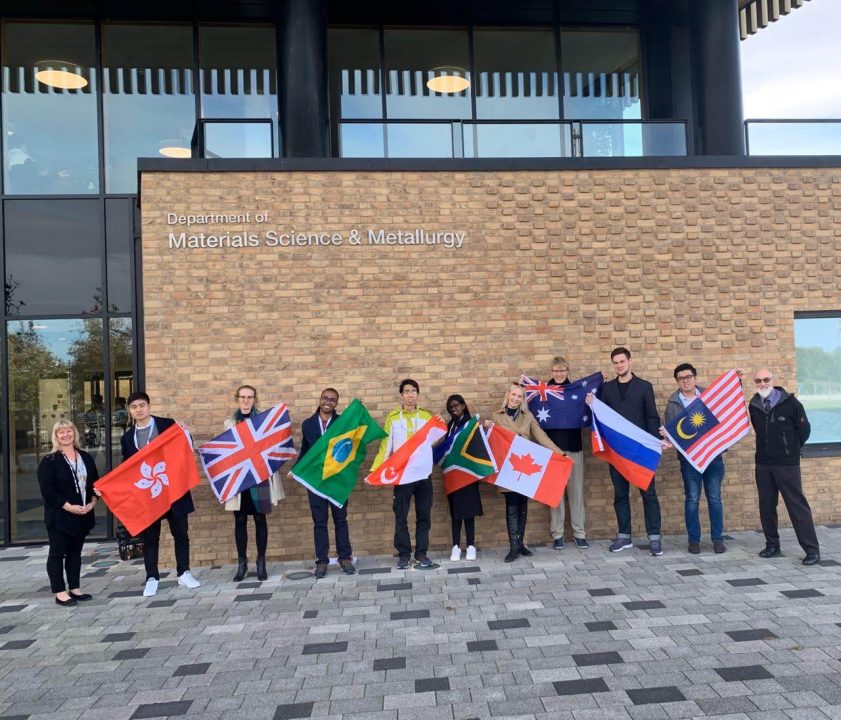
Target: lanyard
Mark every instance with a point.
(151, 427)
(73, 469)
(323, 425)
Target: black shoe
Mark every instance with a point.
(812, 559)
(402, 563)
(262, 574)
(320, 571)
(558, 544)
(770, 552)
(719, 547)
(422, 561)
(81, 597)
(513, 554)
(524, 551)
(694, 547)
(242, 569)
(70, 602)
(347, 567)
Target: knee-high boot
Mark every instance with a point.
(513, 523)
(522, 514)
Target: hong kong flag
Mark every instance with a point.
(143, 488)
(528, 468)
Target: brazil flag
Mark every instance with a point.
(329, 468)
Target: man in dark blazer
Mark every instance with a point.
(145, 428)
(633, 398)
(311, 429)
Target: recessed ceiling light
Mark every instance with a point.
(61, 74)
(448, 79)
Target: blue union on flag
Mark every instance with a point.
(248, 453)
(561, 406)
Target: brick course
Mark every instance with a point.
(706, 266)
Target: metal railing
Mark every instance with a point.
(793, 137)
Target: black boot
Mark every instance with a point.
(512, 522)
(261, 568)
(242, 569)
(522, 514)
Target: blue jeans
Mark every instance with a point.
(711, 479)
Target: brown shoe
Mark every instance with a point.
(320, 571)
(347, 567)
(695, 548)
(719, 546)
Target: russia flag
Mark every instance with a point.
(630, 449)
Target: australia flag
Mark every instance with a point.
(561, 406)
(248, 453)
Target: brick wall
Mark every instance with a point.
(706, 266)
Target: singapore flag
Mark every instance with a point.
(413, 460)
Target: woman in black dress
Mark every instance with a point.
(66, 477)
(465, 503)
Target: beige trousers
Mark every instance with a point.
(574, 495)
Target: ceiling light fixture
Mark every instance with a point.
(448, 79)
(61, 74)
(175, 149)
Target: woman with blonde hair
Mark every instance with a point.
(514, 416)
(66, 476)
(256, 501)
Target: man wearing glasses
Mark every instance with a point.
(782, 429)
(693, 480)
(311, 429)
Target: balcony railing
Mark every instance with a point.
(511, 138)
(233, 138)
(793, 137)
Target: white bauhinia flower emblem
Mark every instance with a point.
(153, 477)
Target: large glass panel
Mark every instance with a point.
(237, 140)
(355, 85)
(122, 381)
(817, 345)
(428, 74)
(366, 140)
(417, 140)
(517, 140)
(630, 139)
(601, 73)
(238, 79)
(516, 75)
(53, 257)
(794, 138)
(119, 243)
(148, 97)
(55, 371)
(49, 109)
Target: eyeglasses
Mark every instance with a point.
(681, 378)
(762, 381)
(245, 397)
(330, 400)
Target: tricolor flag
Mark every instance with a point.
(713, 422)
(329, 468)
(528, 468)
(469, 458)
(143, 488)
(413, 459)
(630, 449)
(561, 406)
(248, 453)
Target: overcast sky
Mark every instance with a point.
(792, 68)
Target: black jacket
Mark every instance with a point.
(184, 504)
(55, 479)
(781, 433)
(638, 406)
(310, 432)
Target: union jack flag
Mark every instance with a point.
(535, 388)
(248, 453)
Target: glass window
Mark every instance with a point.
(119, 244)
(238, 77)
(630, 139)
(122, 381)
(516, 75)
(817, 345)
(53, 257)
(355, 85)
(55, 371)
(148, 97)
(49, 109)
(601, 74)
(428, 74)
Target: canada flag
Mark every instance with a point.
(528, 468)
(413, 460)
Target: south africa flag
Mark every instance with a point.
(329, 468)
(469, 458)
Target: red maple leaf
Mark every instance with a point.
(524, 464)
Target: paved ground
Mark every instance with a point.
(573, 634)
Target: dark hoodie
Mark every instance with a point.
(781, 432)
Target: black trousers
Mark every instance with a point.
(152, 538)
(65, 556)
(261, 532)
(403, 494)
(320, 508)
(773, 481)
(469, 530)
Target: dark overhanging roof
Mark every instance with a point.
(754, 15)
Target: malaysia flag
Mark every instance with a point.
(712, 422)
(248, 453)
(561, 406)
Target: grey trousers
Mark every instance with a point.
(574, 495)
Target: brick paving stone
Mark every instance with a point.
(659, 695)
(398, 663)
(580, 687)
(325, 647)
(508, 624)
(163, 709)
(600, 625)
(746, 582)
(744, 672)
(293, 710)
(191, 669)
(431, 684)
(801, 594)
(643, 605)
(597, 658)
(746, 635)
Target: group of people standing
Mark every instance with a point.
(66, 476)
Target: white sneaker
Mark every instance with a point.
(471, 553)
(455, 555)
(188, 581)
(151, 588)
